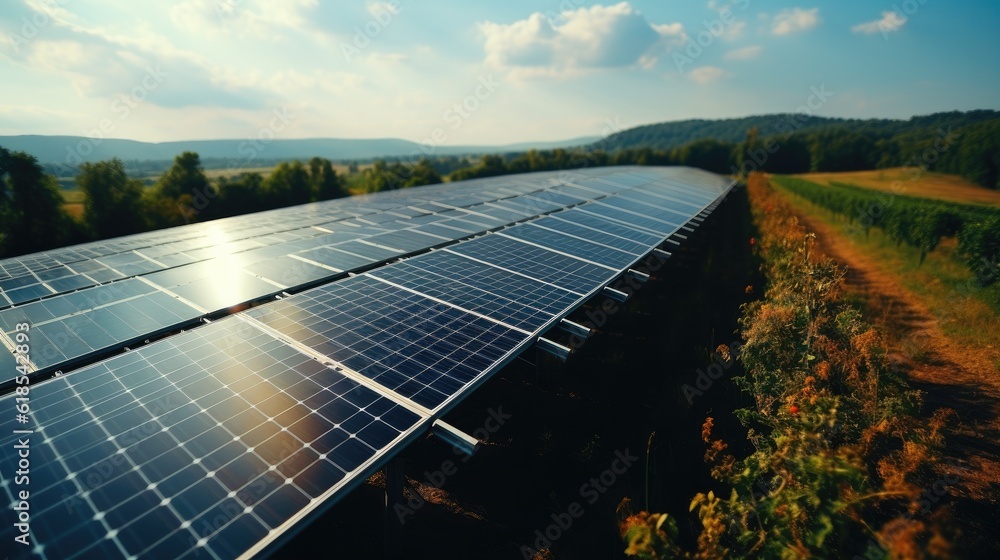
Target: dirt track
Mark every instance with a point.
(951, 376)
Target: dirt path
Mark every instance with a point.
(950, 376)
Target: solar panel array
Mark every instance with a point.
(216, 440)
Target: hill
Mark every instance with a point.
(669, 135)
(73, 150)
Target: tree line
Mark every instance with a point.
(972, 151)
(118, 204)
(32, 216)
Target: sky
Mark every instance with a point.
(466, 73)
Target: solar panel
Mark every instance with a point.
(573, 246)
(573, 274)
(216, 441)
(662, 199)
(553, 223)
(419, 348)
(72, 326)
(28, 293)
(202, 444)
(503, 296)
(646, 209)
(593, 221)
(629, 218)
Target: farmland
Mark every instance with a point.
(911, 181)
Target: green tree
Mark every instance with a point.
(34, 219)
(423, 173)
(710, 155)
(185, 177)
(328, 185)
(113, 204)
(288, 185)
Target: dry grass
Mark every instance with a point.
(74, 210)
(911, 181)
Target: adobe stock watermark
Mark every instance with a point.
(929, 498)
(33, 26)
(627, 283)
(495, 420)
(719, 363)
(248, 150)
(756, 157)
(713, 29)
(900, 14)
(916, 167)
(382, 15)
(590, 492)
(557, 18)
(122, 106)
(456, 115)
(584, 158)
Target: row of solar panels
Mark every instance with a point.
(215, 442)
(76, 323)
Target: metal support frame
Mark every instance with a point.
(393, 497)
(454, 437)
(614, 294)
(554, 348)
(575, 328)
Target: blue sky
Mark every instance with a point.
(451, 73)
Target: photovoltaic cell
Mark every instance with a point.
(73, 326)
(289, 272)
(578, 216)
(570, 273)
(679, 191)
(663, 200)
(407, 240)
(506, 297)
(368, 250)
(421, 349)
(629, 218)
(646, 209)
(578, 248)
(600, 237)
(335, 258)
(199, 445)
(27, 293)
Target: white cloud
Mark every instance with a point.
(585, 39)
(733, 31)
(705, 75)
(746, 53)
(891, 21)
(795, 20)
(103, 65)
(382, 8)
(258, 19)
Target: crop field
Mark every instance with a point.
(911, 181)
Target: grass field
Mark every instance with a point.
(911, 181)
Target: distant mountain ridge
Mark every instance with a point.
(76, 149)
